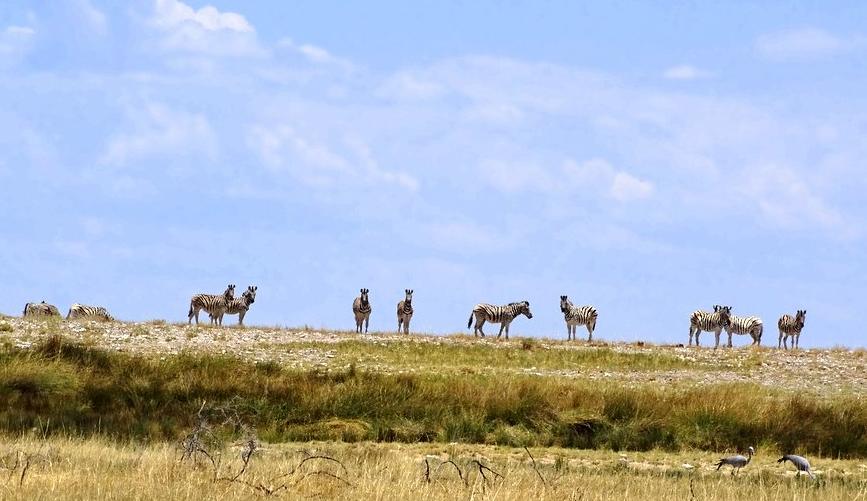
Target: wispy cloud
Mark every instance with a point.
(159, 130)
(806, 43)
(686, 72)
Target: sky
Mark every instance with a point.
(648, 158)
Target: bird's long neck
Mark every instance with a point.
(749, 456)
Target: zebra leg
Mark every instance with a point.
(406, 325)
(479, 325)
(502, 326)
(730, 339)
(590, 331)
(241, 317)
(796, 340)
(366, 323)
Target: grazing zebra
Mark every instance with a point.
(361, 308)
(704, 321)
(40, 310)
(404, 312)
(578, 315)
(239, 305)
(84, 311)
(502, 315)
(215, 305)
(791, 326)
(745, 325)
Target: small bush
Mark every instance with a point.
(4, 327)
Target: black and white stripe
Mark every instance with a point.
(745, 325)
(361, 309)
(42, 309)
(215, 305)
(404, 312)
(502, 315)
(85, 311)
(711, 322)
(578, 315)
(239, 306)
(791, 326)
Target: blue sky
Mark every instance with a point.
(647, 159)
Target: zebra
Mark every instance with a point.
(578, 315)
(40, 309)
(239, 305)
(84, 311)
(404, 312)
(704, 321)
(745, 325)
(215, 305)
(502, 315)
(361, 308)
(791, 326)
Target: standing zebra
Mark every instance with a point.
(361, 309)
(578, 315)
(704, 321)
(85, 311)
(40, 309)
(215, 305)
(239, 305)
(745, 325)
(502, 315)
(791, 326)
(404, 312)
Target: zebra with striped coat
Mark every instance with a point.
(361, 309)
(745, 325)
(711, 322)
(404, 312)
(502, 315)
(42, 309)
(240, 305)
(85, 311)
(791, 326)
(578, 315)
(214, 304)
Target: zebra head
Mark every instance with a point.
(801, 317)
(230, 292)
(249, 295)
(364, 298)
(725, 313)
(408, 299)
(524, 309)
(565, 303)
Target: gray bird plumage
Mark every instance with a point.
(800, 463)
(736, 462)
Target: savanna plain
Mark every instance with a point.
(156, 410)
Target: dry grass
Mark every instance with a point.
(96, 469)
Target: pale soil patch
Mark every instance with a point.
(824, 372)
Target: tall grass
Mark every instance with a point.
(83, 390)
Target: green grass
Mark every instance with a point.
(473, 357)
(82, 390)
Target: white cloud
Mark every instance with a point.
(282, 148)
(95, 19)
(805, 43)
(685, 72)
(626, 187)
(159, 130)
(172, 13)
(410, 86)
(15, 41)
(315, 54)
(784, 198)
(205, 31)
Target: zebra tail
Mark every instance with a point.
(69, 314)
(190, 313)
(470, 321)
(25, 310)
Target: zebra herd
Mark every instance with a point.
(218, 305)
(44, 309)
(722, 318)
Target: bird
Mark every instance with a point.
(800, 463)
(736, 462)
